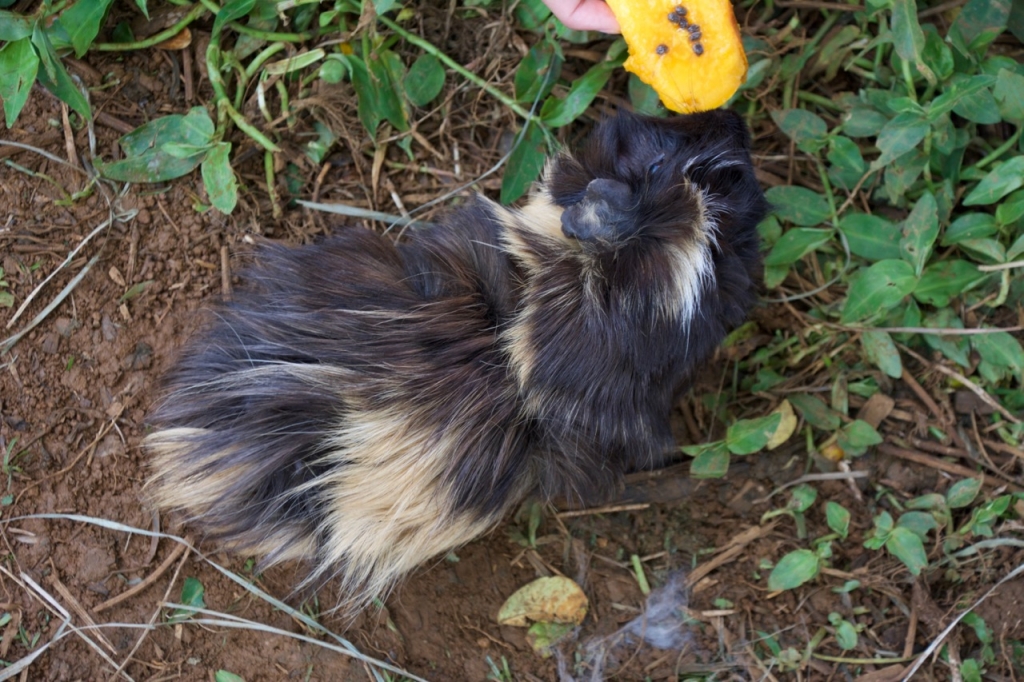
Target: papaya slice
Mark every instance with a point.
(689, 51)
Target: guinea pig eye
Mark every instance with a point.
(656, 164)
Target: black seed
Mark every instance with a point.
(698, 49)
(693, 28)
(673, 19)
(695, 36)
(680, 10)
(661, 49)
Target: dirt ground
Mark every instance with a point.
(76, 391)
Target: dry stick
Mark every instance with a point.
(937, 642)
(919, 391)
(612, 508)
(730, 552)
(77, 607)
(978, 390)
(156, 613)
(936, 463)
(149, 580)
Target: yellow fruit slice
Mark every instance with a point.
(689, 51)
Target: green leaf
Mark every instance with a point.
(979, 22)
(537, 73)
(815, 412)
(863, 122)
(1001, 356)
(906, 546)
(970, 226)
(847, 162)
(799, 205)
(944, 280)
(531, 14)
(1011, 209)
(918, 522)
(908, 39)
(712, 462)
(805, 128)
(146, 159)
(366, 92)
(1009, 93)
(956, 348)
(18, 67)
(958, 92)
(963, 492)
(15, 26)
(919, 232)
(878, 288)
(524, 164)
(748, 436)
(231, 10)
(846, 635)
(795, 243)
(856, 437)
(870, 236)
(899, 136)
(219, 179)
(793, 570)
(560, 112)
(1005, 178)
(880, 350)
(986, 250)
(225, 676)
(54, 77)
(82, 21)
(388, 71)
(134, 291)
(981, 107)
(644, 99)
(191, 595)
(802, 497)
(425, 80)
(838, 518)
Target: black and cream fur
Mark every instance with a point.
(367, 405)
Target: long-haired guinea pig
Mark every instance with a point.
(368, 405)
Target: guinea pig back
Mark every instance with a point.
(367, 405)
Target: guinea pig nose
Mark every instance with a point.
(616, 194)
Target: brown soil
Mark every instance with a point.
(75, 393)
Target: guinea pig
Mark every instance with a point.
(367, 405)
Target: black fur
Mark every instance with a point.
(525, 359)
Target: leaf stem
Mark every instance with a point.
(1001, 149)
(157, 38)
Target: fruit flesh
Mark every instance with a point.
(693, 58)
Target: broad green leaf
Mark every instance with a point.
(838, 518)
(644, 99)
(908, 39)
(748, 436)
(856, 437)
(959, 91)
(537, 72)
(899, 136)
(802, 497)
(863, 122)
(847, 163)
(559, 112)
(963, 492)
(805, 128)
(799, 205)
(815, 412)
(901, 174)
(936, 54)
(956, 348)
(1005, 178)
(712, 462)
(191, 595)
(985, 250)
(54, 77)
(919, 232)
(1001, 356)
(531, 14)
(846, 635)
(877, 289)
(18, 67)
(979, 22)
(425, 80)
(1009, 93)
(388, 71)
(945, 280)
(881, 352)
(82, 21)
(918, 522)
(367, 94)
(970, 226)
(1011, 209)
(194, 128)
(904, 544)
(793, 570)
(1016, 249)
(871, 237)
(219, 179)
(795, 243)
(295, 63)
(981, 107)
(524, 164)
(15, 26)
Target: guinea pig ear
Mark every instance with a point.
(565, 179)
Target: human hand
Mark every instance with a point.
(584, 15)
